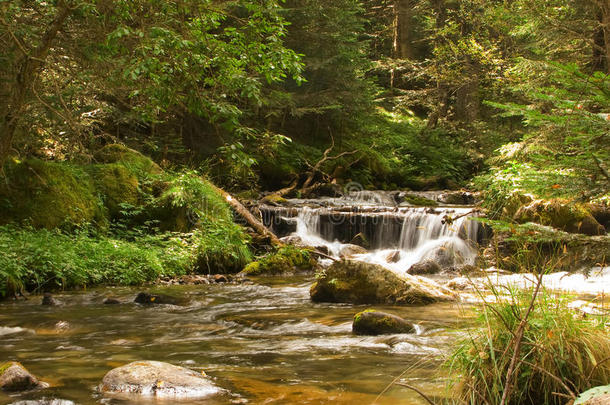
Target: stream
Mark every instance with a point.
(265, 342)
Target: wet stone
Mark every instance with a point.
(111, 301)
(14, 378)
(145, 298)
(44, 401)
(47, 299)
(371, 322)
(158, 379)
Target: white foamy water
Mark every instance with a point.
(423, 234)
(597, 281)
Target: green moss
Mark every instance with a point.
(48, 195)
(273, 199)
(5, 366)
(287, 259)
(421, 201)
(117, 185)
(133, 160)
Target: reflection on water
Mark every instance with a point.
(265, 343)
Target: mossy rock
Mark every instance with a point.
(372, 322)
(514, 201)
(287, 260)
(49, 195)
(273, 199)
(15, 378)
(419, 201)
(117, 185)
(133, 160)
(365, 283)
(560, 214)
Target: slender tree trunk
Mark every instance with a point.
(28, 68)
(403, 14)
(605, 10)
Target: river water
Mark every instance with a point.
(265, 342)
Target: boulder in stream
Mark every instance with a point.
(350, 250)
(371, 322)
(424, 267)
(44, 401)
(47, 299)
(393, 256)
(14, 378)
(367, 283)
(158, 379)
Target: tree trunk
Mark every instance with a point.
(28, 69)
(247, 215)
(403, 14)
(467, 100)
(605, 10)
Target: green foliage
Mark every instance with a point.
(49, 259)
(288, 259)
(559, 349)
(207, 58)
(565, 153)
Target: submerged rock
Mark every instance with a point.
(158, 379)
(425, 267)
(366, 283)
(371, 322)
(14, 378)
(47, 299)
(112, 301)
(149, 299)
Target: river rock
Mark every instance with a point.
(594, 396)
(158, 379)
(444, 256)
(111, 301)
(560, 214)
(14, 378)
(47, 299)
(294, 240)
(393, 256)
(367, 283)
(145, 298)
(44, 401)
(425, 267)
(350, 250)
(457, 198)
(371, 322)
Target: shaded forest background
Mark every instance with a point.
(399, 94)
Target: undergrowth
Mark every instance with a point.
(562, 353)
(39, 260)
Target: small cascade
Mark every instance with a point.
(395, 237)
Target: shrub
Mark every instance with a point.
(48, 259)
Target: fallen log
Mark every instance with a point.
(243, 212)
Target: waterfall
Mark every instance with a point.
(394, 233)
(416, 233)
